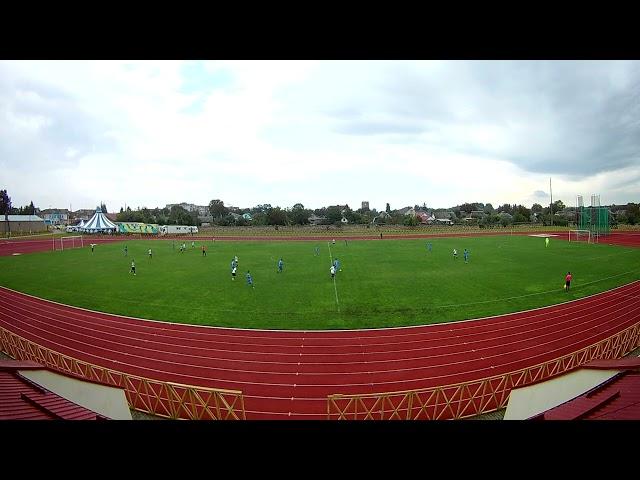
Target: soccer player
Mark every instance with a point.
(150, 254)
(455, 253)
(567, 281)
(204, 251)
(466, 255)
(345, 243)
(546, 242)
(249, 279)
(92, 245)
(280, 265)
(336, 263)
(233, 273)
(125, 251)
(333, 271)
(429, 246)
(133, 267)
(236, 259)
(193, 244)
(234, 264)
(317, 251)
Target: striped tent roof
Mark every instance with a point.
(98, 223)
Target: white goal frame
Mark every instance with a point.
(77, 241)
(590, 237)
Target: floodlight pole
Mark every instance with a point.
(551, 205)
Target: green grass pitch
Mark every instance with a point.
(382, 283)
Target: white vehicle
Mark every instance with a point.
(71, 228)
(178, 229)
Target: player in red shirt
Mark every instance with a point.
(567, 281)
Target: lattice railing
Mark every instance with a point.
(471, 398)
(165, 399)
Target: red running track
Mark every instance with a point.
(32, 245)
(288, 374)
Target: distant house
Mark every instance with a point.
(425, 218)
(568, 214)
(54, 216)
(191, 207)
(22, 224)
(444, 215)
(382, 216)
(407, 211)
(444, 221)
(83, 214)
(316, 220)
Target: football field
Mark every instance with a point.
(383, 283)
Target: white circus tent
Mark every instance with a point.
(98, 223)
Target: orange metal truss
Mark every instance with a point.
(165, 399)
(468, 399)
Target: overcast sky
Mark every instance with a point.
(318, 132)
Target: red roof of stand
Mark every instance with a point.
(615, 399)
(22, 399)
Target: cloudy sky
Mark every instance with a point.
(318, 132)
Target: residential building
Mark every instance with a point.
(407, 211)
(316, 220)
(54, 216)
(425, 218)
(202, 210)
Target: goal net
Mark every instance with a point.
(580, 236)
(71, 242)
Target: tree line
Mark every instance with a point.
(6, 208)
(266, 214)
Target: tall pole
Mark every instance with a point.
(551, 204)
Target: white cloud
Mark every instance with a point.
(319, 133)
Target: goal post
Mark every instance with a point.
(580, 236)
(75, 241)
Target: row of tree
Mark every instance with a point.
(627, 214)
(176, 215)
(7, 209)
(265, 214)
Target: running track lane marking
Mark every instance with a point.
(335, 288)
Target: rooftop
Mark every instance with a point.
(23, 399)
